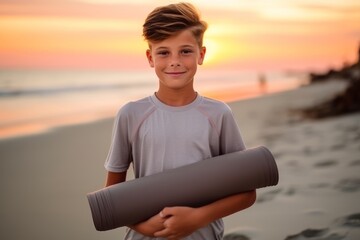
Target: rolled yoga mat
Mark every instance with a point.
(192, 185)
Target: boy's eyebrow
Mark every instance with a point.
(182, 46)
(187, 45)
(160, 48)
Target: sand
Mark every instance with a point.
(44, 178)
(319, 162)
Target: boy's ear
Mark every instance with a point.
(202, 55)
(150, 58)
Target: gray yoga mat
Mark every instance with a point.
(192, 185)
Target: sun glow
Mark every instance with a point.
(60, 34)
(292, 13)
(239, 31)
(212, 51)
(46, 23)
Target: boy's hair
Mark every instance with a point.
(166, 21)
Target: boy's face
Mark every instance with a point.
(175, 59)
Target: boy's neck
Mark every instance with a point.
(176, 98)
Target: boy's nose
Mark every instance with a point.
(175, 61)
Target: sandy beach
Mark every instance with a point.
(45, 177)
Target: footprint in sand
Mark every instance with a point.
(268, 196)
(235, 236)
(339, 146)
(326, 163)
(243, 233)
(348, 185)
(316, 234)
(355, 163)
(319, 185)
(352, 220)
(347, 227)
(308, 150)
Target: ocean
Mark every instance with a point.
(33, 101)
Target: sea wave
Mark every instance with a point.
(15, 92)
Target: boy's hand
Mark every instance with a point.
(150, 226)
(180, 222)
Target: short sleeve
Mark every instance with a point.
(230, 136)
(119, 156)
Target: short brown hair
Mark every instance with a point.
(166, 21)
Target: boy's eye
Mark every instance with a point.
(162, 53)
(186, 51)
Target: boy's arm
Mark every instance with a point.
(148, 227)
(182, 221)
(114, 178)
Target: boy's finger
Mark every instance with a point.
(163, 233)
(163, 214)
(166, 212)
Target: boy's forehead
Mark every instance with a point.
(178, 39)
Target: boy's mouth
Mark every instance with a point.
(175, 73)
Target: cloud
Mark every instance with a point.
(71, 9)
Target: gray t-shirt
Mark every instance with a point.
(156, 137)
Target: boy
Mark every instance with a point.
(174, 127)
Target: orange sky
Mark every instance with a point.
(106, 34)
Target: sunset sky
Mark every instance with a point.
(106, 34)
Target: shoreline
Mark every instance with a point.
(52, 123)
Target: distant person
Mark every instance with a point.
(262, 83)
(175, 126)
